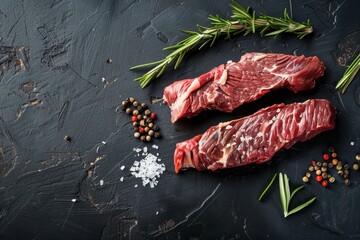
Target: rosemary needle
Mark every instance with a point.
(268, 187)
(242, 21)
(349, 75)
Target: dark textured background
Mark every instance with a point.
(53, 58)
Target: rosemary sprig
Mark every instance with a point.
(349, 75)
(242, 21)
(286, 195)
(268, 187)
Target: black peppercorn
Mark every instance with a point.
(139, 108)
(67, 138)
(157, 134)
(347, 182)
(123, 108)
(155, 127)
(148, 120)
(331, 149)
(136, 129)
(109, 61)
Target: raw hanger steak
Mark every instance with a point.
(256, 138)
(230, 85)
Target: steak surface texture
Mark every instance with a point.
(230, 85)
(256, 138)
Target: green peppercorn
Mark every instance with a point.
(307, 174)
(356, 166)
(131, 100)
(357, 157)
(311, 168)
(318, 172)
(330, 165)
(135, 112)
(143, 105)
(148, 138)
(324, 169)
(338, 167)
(157, 134)
(347, 182)
(135, 103)
(341, 172)
(143, 138)
(346, 166)
(128, 111)
(137, 134)
(331, 179)
(147, 112)
(305, 179)
(324, 175)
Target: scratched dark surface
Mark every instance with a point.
(52, 60)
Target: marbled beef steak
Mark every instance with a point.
(230, 85)
(255, 138)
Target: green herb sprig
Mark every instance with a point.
(242, 21)
(286, 196)
(349, 75)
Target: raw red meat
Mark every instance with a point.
(228, 86)
(255, 138)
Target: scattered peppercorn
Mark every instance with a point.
(147, 112)
(324, 169)
(109, 61)
(318, 172)
(331, 179)
(147, 129)
(324, 175)
(135, 112)
(346, 166)
(330, 165)
(143, 138)
(324, 183)
(311, 168)
(338, 167)
(340, 172)
(143, 105)
(307, 174)
(157, 135)
(318, 164)
(313, 162)
(131, 100)
(153, 115)
(334, 155)
(334, 161)
(128, 111)
(347, 182)
(357, 157)
(356, 166)
(326, 156)
(346, 176)
(318, 178)
(135, 103)
(305, 179)
(316, 168)
(67, 138)
(139, 117)
(148, 138)
(137, 134)
(331, 149)
(134, 118)
(151, 132)
(346, 171)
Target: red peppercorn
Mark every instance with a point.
(141, 129)
(326, 157)
(134, 118)
(313, 162)
(153, 115)
(324, 183)
(318, 178)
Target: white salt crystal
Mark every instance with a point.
(103, 142)
(145, 149)
(352, 143)
(103, 79)
(122, 167)
(101, 182)
(157, 213)
(121, 179)
(73, 200)
(136, 185)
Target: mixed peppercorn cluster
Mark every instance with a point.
(143, 119)
(330, 161)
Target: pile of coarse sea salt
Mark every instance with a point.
(148, 168)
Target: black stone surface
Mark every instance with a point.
(53, 58)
